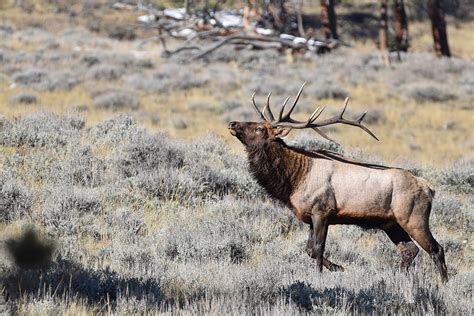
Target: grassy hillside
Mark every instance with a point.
(123, 159)
(148, 223)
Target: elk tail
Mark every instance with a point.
(432, 192)
(428, 188)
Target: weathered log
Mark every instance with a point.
(229, 39)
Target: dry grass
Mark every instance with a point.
(460, 36)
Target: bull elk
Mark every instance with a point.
(323, 188)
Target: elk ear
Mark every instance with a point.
(281, 132)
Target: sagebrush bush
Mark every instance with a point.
(84, 200)
(146, 83)
(169, 77)
(33, 35)
(24, 98)
(262, 85)
(309, 142)
(199, 106)
(240, 113)
(449, 211)
(130, 223)
(116, 130)
(213, 161)
(80, 167)
(460, 176)
(418, 67)
(466, 80)
(180, 123)
(125, 60)
(116, 100)
(155, 160)
(66, 210)
(15, 199)
(222, 79)
(42, 79)
(106, 72)
(148, 153)
(30, 76)
(374, 117)
(229, 105)
(169, 184)
(61, 80)
(42, 129)
(328, 91)
(426, 92)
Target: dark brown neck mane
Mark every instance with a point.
(278, 168)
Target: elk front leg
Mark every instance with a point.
(320, 230)
(331, 266)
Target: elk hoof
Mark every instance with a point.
(335, 268)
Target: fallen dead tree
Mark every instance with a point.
(205, 31)
(258, 42)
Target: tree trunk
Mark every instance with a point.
(401, 25)
(299, 17)
(383, 26)
(328, 19)
(280, 16)
(251, 13)
(189, 6)
(438, 27)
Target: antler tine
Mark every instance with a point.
(365, 128)
(346, 101)
(296, 101)
(362, 117)
(316, 114)
(256, 107)
(267, 108)
(289, 122)
(280, 115)
(357, 124)
(322, 134)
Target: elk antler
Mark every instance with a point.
(286, 120)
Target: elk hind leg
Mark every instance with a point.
(418, 228)
(426, 240)
(408, 249)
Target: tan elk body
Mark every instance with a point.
(324, 188)
(353, 192)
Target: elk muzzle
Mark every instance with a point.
(234, 127)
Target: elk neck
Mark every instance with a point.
(278, 168)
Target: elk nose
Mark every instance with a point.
(232, 125)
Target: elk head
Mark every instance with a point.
(271, 128)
